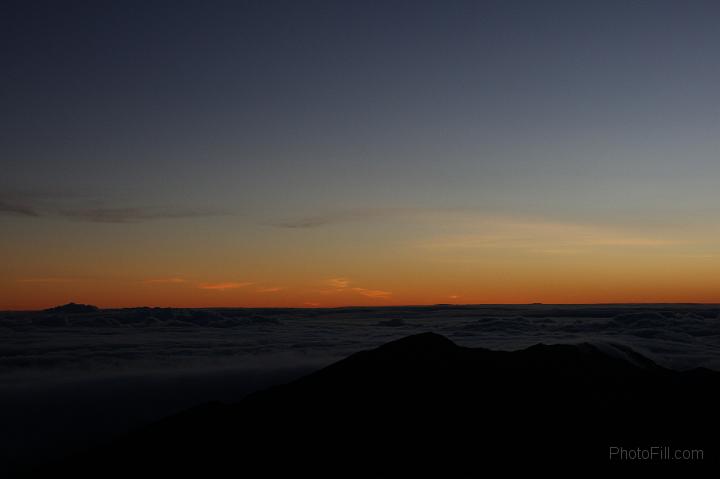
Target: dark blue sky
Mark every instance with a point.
(248, 114)
(125, 94)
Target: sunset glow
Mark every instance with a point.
(464, 153)
(441, 258)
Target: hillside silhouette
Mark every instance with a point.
(73, 308)
(424, 405)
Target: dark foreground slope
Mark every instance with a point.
(425, 405)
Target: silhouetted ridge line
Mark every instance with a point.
(73, 308)
(424, 405)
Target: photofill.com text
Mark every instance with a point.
(655, 453)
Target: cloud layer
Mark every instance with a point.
(64, 372)
(74, 208)
(224, 286)
(158, 338)
(340, 285)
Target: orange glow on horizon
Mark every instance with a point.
(230, 295)
(493, 261)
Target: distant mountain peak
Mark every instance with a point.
(73, 308)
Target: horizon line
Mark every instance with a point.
(679, 303)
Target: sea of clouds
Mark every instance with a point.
(162, 339)
(72, 378)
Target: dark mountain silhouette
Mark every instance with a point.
(425, 406)
(73, 308)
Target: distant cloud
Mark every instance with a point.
(343, 284)
(545, 237)
(417, 215)
(15, 209)
(46, 280)
(358, 214)
(474, 228)
(373, 293)
(338, 283)
(269, 290)
(132, 215)
(302, 223)
(165, 281)
(224, 286)
(38, 205)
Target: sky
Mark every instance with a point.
(317, 153)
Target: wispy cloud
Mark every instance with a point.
(166, 281)
(303, 223)
(543, 237)
(269, 290)
(46, 280)
(345, 216)
(132, 215)
(17, 209)
(373, 293)
(224, 286)
(74, 207)
(475, 228)
(221, 286)
(338, 285)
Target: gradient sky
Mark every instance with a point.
(266, 153)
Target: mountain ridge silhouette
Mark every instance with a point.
(423, 404)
